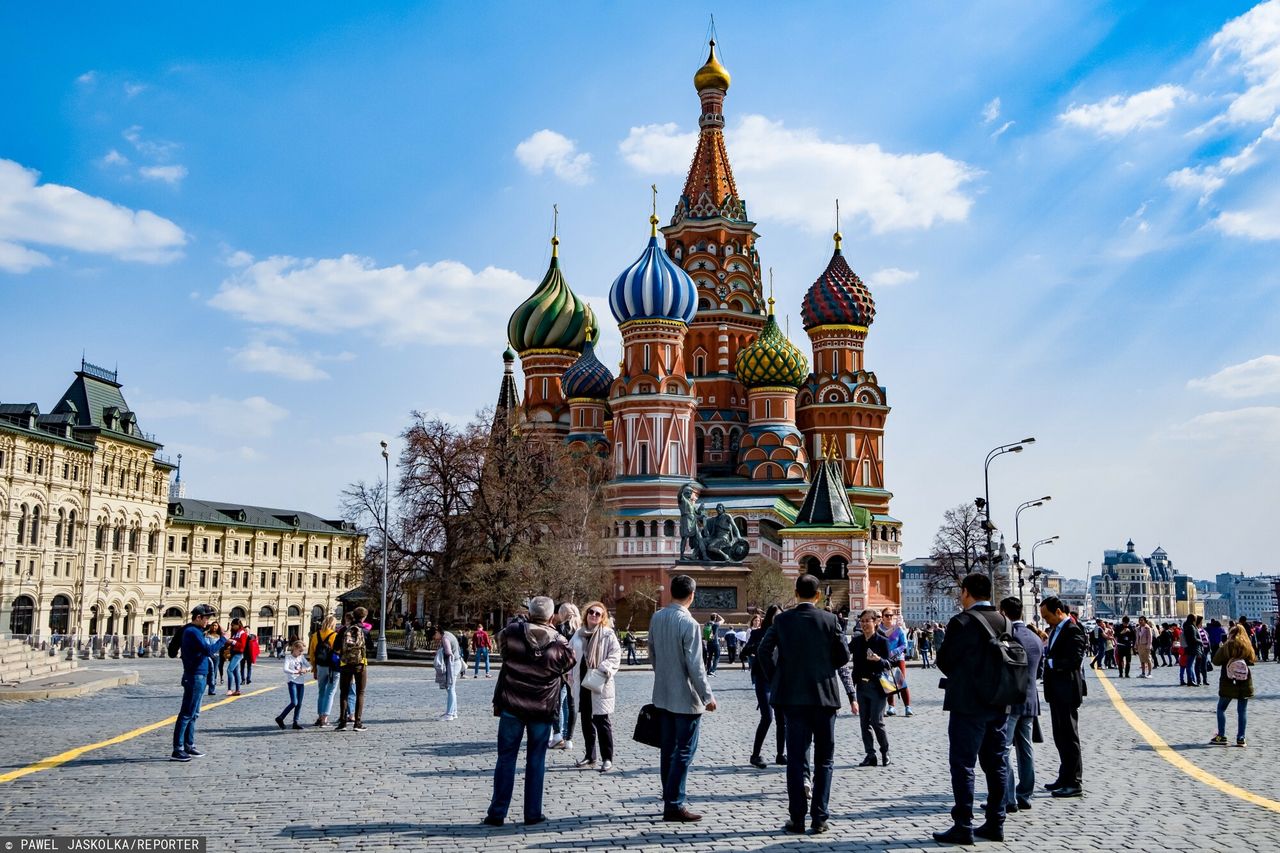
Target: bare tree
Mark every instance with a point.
(957, 547)
(767, 584)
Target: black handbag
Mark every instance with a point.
(649, 726)
(1037, 736)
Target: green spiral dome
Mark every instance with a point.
(553, 317)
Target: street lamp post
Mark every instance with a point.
(1017, 534)
(1015, 447)
(1048, 541)
(386, 512)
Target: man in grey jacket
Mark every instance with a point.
(1022, 717)
(680, 691)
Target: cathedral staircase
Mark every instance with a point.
(19, 662)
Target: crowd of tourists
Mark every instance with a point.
(559, 666)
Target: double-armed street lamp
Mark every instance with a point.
(1048, 541)
(386, 511)
(1017, 534)
(984, 503)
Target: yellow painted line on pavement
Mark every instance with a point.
(1175, 758)
(72, 754)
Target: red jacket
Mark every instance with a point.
(252, 649)
(237, 645)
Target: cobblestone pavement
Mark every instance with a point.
(411, 782)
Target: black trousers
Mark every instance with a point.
(767, 719)
(871, 705)
(1066, 737)
(348, 678)
(977, 739)
(805, 725)
(1124, 659)
(593, 726)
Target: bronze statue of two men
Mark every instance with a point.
(714, 539)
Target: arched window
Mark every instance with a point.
(100, 537)
(35, 525)
(57, 529)
(133, 540)
(700, 366)
(117, 539)
(640, 529)
(295, 610)
(653, 529)
(669, 528)
(266, 613)
(173, 613)
(71, 529)
(22, 525)
(237, 613)
(60, 614)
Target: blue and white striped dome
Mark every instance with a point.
(653, 288)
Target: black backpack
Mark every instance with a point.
(175, 642)
(1003, 674)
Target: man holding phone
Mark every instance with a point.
(868, 659)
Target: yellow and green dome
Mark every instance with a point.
(772, 359)
(553, 317)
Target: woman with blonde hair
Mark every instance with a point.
(598, 654)
(1234, 660)
(568, 621)
(322, 664)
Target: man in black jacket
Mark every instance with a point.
(800, 656)
(976, 728)
(527, 696)
(1064, 691)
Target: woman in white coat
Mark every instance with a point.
(599, 654)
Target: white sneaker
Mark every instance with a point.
(606, 767)
(890, 712)
(568, 744)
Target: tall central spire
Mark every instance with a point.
(710, 189)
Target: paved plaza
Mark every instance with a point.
(413, 783)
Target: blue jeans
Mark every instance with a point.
(327, 682)
(184, 730)
(1017, 738)
(567, 713)
(451, 700)
(481, 655)
(713, 656)
(510, 732)
(807, 725)
(233, 673)
(246, 671)
(1187, 674)
(1242, 706)
(295, 701)
(977, 739)
(210, 674)
(679, 745)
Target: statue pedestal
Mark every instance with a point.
(722, 588)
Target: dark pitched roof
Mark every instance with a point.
(827, 503)
(197, 511)
(94, 402)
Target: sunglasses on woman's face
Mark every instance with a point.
(594, 613)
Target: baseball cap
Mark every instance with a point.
(203, 610)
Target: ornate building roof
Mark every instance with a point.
(712, 75)
(772, 359)
(709, 190)
(653, 287)
(827, 503)
(587, 377)
(838, 297)
(553, 317)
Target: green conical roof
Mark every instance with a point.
(553, 317)
(772, 360)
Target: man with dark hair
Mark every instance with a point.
(1022, 716)
(1064, 690)
(976, 728)
(198, 642)
(810, 649)
(680, 691)
(868, 659)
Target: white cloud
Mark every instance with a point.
(1255, 427)
(891, 277)
(253, 416)
(114, 158)
(794, 175)
(158, 149)
(132, 90)
(172, 174)
(999, 132)
(547, 149)
(88, 78)
(66, 218)
(991, 111)
(1209, 179)
(262, 357)
(441, 303)
(1257, 224)
(1251, 43)
(1120, 114)
(1254, 378)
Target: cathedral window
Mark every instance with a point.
(643, 459)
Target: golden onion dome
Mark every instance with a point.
(712, 75)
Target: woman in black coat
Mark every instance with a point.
(762, 694)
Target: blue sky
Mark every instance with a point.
(291, 226)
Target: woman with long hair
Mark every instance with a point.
(1234, 659)
(596, 648)
(568, 621)
(762, 695)
(321, 657)
(238, 641)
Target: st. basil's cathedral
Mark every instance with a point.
(711, 392)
